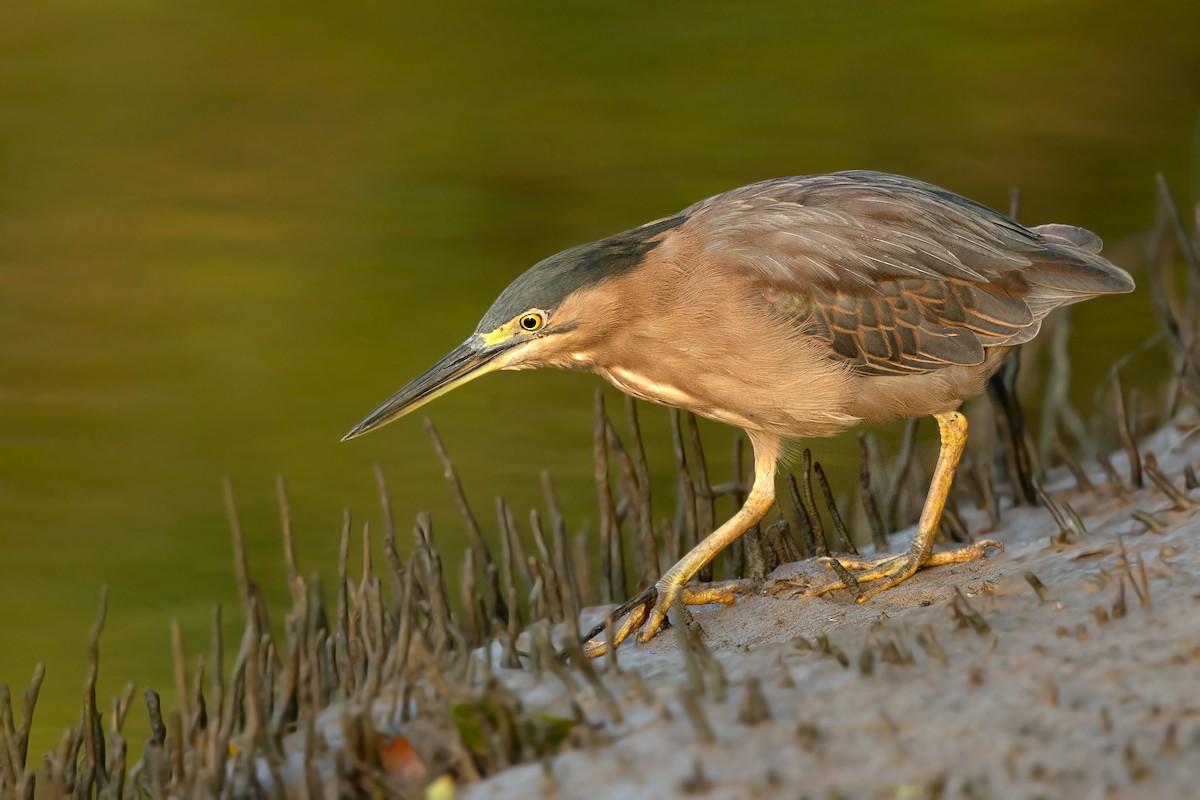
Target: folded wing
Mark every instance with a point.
(899, 276)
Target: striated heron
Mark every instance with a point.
(790, 308)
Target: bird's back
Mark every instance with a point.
(897, 276)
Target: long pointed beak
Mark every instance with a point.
(469, 360)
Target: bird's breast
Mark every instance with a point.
(638, 385)
(656, 391)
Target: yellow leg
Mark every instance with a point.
(648, 610)
(894, 570)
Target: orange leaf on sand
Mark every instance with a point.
(400, 760)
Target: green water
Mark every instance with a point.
(229, 229)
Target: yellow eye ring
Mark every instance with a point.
(531, 322)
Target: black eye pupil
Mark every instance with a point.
(529, 323)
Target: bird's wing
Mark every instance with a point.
(895, 275)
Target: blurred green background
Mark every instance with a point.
(229, 229)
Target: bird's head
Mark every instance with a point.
(552, 315)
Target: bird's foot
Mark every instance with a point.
(647, 612)
(891, 571)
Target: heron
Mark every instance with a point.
(790, 308)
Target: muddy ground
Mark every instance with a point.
(1081, 682)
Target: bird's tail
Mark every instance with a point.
(1066, 269)
(1070, 269)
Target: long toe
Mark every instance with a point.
(891, 571)
(890, 574)
(725, 594)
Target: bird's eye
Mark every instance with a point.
(531, 322)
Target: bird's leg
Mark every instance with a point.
(893, 570)
(648, 610)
